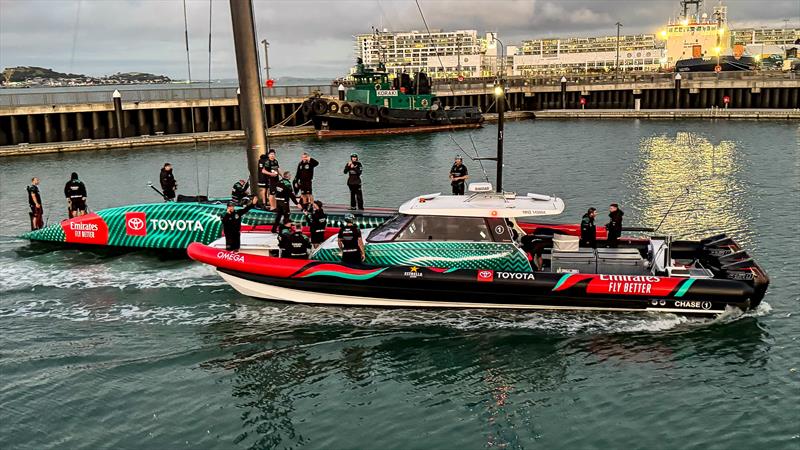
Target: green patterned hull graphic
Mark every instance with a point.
(455, 255)
(176, 225)
(347, 276)
(561, 281)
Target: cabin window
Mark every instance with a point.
(389, 229)
(441, 228)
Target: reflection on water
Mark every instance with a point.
(717, 197)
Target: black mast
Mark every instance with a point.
(251, 103)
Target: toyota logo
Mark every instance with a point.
(135, 223)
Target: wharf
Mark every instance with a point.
(706, 113)
(144, 141)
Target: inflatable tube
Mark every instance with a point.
(346, 108)
(333, 107)
(320, 107)
(371, 111)
(334, 283)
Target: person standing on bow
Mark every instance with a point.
(283, 194)
(588, 229)
(353, 170)
(614, 226)
(168, 183)
(35, 202)
(350, 242)
(272, 171)
(232, 224)
(458, 176)
(75, 192)
(304, 178)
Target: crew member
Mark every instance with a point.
(588, 229)
(283, 194)
(239, 192)
(272, 170)
(298, 245)
(261, 191)
(168, 183)
(458, 176)
(304, 177)
(317, 221)
(614, 226)
(232, 224)
(353, 169)
(350, 242)
(35, 202)
(75, 191)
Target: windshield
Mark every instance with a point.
(389, 229)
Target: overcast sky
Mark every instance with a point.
(309, 38)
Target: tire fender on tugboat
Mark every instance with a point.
(345, 108)
(333, 107)
(320, 107)
(371, 111)
(358, 110)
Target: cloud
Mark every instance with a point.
(310, 38)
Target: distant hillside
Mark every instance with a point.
(39, 75)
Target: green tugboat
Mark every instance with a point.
(402, 104)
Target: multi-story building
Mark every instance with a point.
(766, 41)
(638, 52)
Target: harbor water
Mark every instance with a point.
(131, 351)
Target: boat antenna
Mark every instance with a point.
(191, 110)
(684, 193)
(252, 103)
(450, 86)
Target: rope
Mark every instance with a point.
(191, 108)
(288, 118)
(452, 91)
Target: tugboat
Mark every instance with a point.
(404, 104)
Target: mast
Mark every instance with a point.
(251, 103)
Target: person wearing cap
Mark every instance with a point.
(273, 171)
(588, 229)
(297, 244)
(168, 183)
(458, 176)
(283, 194)
(353, 170)
(239, 191)
(317, 221)
(232, 224)
(614, 226)
(350, 242)
(75, 191)
(304, 178)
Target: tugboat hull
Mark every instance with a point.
(726, 63)
(357, 116)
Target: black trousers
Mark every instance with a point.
(458, 188)
(281, 214)
(232, 242)
(613, 239)
(356, 196)
(169, 194)
(352, 257)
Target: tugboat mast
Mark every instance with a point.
(251, 102)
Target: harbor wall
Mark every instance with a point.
(48, 118)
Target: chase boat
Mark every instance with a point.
(472, 252)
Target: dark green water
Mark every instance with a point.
(128, 351)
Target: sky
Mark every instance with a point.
(308, 38)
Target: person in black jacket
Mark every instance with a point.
(168, 183)
(458, 176)
(297, 245)
(283, 194)
(317, 221)
(239, 192)
(75, 192)
(35, 202)
(350, 242)
(614, 226)
(304, 177)
(261, 185)
(273, 172)
(232, 224)
(353, 170)
(588, 229)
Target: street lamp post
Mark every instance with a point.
(616, 65)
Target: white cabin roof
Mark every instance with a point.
(488, 204)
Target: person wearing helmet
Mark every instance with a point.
(75, 191)
(232, 224)
(353, 170)
(458, 176)
(350, 243)
(297, 244)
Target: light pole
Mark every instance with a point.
(266, 58)
(616, 66)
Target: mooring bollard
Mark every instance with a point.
(117, 97)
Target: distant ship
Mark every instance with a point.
(726, 63)
(374, 102)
